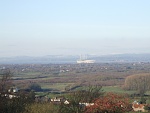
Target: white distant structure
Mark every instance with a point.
(85, 60)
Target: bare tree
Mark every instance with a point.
(82, 96)
(5, 79)
(139, 82)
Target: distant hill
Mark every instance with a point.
(60, 59)
(54, 59)
(124, 58)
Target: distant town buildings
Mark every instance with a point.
(83, 59)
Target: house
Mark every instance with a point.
(66, 102)
(12, 93)
(41, 98)
(138, 107)
(58, 99)
(86, 104)
(13, 90)
(12, 96)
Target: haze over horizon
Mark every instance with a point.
(74, 27)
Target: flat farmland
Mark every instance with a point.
(61, 77)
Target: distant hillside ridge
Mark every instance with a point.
(71, 59)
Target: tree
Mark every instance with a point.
(91, 93)
(35, 87)
(81, 96)
(16, 104)
(110, 103)
(6, 80)
(139, 82)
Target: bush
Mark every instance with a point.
(147, 108)
(35, 87)
(110, 103)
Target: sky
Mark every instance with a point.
(74, 27)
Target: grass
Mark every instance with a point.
(41, 108)
(57, 86)
(116, 89)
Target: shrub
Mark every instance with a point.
(35, 87)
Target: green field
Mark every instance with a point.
(56, 86)
(116, 89)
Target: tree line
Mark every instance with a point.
(138, 82)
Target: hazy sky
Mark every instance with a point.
(73, 27)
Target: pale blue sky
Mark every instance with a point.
(73, 27)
